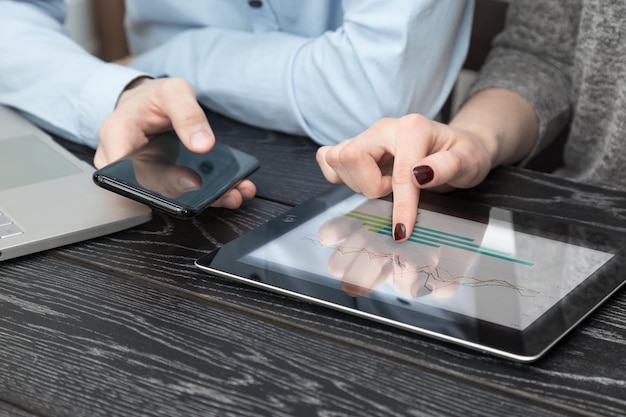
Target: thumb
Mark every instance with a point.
(187, 116)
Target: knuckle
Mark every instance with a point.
(348, 155)
(455, 162)
(189, 114)
(329, 157)
(383, 123)
(104, 128)
(110, 125)
(415, 121)
(467, 168)
(373, 192)
(320, 155)
(401, 180)
(174, 87)
(377, 192)
(176, 84)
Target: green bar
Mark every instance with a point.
(410, 239)
(432, 237)
(443, 239)
(370, 216)
(439, 232)
(369, 220)
(473, 248)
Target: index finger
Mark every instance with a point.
(412, 143)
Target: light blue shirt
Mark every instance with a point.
(327, 69)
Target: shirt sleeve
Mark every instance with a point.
(387, 59)
(534, 57)
(49, 78)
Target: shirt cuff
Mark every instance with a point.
(99, 97)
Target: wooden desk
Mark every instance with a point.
(126, 325)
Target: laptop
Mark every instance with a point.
(47, 195)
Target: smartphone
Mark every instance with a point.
(167, 176)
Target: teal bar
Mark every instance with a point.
(443, 240)
(410, 239)
(433, 238)
(476, 249)
(439, 232)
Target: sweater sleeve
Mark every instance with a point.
(533, 57)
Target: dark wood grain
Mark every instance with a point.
(288, 174)
(574, 370)
(577, 374)
(91, 344)
(8, 410)
(552, 196)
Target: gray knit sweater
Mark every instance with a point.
(568, 59)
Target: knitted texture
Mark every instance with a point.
(568, 59)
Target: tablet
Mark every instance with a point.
(495, 280)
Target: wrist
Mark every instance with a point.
(137, 81)
(503, 121)
(484, 137)
(133, 84)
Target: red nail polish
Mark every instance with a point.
(399, 232)
(423, 174)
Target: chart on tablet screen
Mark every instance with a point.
(486, 270)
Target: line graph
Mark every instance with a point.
(433, 276)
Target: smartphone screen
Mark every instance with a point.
(167, 176)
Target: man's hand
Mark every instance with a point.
(151, 106)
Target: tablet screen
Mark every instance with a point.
(485, 270)
(467, 271)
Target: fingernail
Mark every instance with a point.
(423, 174)
(187, 184)
(399, 232)
(200, 140)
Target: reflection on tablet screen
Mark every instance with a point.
(484, 270)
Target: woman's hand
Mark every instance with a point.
(496, 126)
(404, 156)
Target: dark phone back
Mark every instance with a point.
(152, 175)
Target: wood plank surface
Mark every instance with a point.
(584, 371)
(86, 343)
(8, 410)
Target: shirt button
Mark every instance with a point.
(255, 3)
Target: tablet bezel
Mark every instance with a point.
(526, 345)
